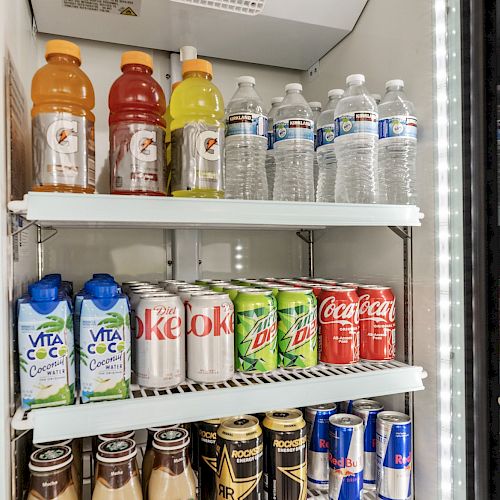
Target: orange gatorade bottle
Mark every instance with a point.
(63, 122)
(137, 129)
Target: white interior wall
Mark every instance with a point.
(393, 39)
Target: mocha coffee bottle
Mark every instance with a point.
(172, 476)
(51, 475)
(117, 475)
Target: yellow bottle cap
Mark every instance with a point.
(62, 47)
(136, 57)
(197, 65)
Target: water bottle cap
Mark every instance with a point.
(43, 291)
(314, 104)
(246, 79)
(104, 289)
(335, 93)
(394, 83)
(293, 86)
(276, 100)
(356, 79)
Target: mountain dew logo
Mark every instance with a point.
(260, 336)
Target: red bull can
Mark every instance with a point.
(368, 410)
(346, 457)
(394, 456)
(318, 442)
(346, 406)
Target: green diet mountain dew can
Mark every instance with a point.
(297, 328)
(232, 290)
(218, 286)
(256, 331)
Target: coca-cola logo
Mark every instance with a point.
(380, 311)
(332, 311)
(162, 324)
(221, 321)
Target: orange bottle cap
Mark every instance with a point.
(197, 65)
(62, 47)
(136, 57)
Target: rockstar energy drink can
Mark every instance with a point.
(207, 458)
(240, 456)
(285, 460)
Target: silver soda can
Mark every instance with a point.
(210, 337)
(367, 410)
(318, 443)
(160, 341)
(184, 292)
(172, 285)
(127, 284)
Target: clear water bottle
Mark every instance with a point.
(246, 144)
(327, 160)
(397, 146)
(270, 163)
(356, 144)
(316, 109)
(294, 147)
(377, 98)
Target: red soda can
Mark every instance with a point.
(210, 337)
(350, 285)
(377, 314)
(338, 318)
(315, 287)
(324, 281)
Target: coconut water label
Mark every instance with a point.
(105, 350)
(46, 356)
(356, 122)
(398, 126)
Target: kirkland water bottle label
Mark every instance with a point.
(63, 146)
(357, 122)
(294, 128)
(270, 140)
(246, 124)
(196, 157)
(326, 135)
(397, 126)
(137, 158)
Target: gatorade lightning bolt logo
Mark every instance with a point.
(302, 331)
(262, 334)
(211, 143)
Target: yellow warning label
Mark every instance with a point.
(128, 12)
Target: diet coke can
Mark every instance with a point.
(210, 337)
(338, 318)
(184, 292)
(377, 315)
(160, 341)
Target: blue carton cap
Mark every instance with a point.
(53, 276)
(42, 292)
(103, 275)
(103, 289)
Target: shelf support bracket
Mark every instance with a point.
(307, 236)
(402, 232)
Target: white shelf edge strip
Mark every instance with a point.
(149, 409)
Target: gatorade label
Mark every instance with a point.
(398, 126)
(137, 158)
(63, 150)
(294, 128)
(326, 135)
(196, 157)
(246, 124)
(356, 122)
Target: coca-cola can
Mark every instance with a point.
(377, 315)
(160, 341)
(315, 287)
(184, 292)
(210, 337)
(338, 319)
(324, 281)
(350, 285)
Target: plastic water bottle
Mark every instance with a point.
(294, 147)
(270, 163)
(397, 146)
(316, 109)
(356, 144)
(246, 143)
(327, 160)
(377, 98)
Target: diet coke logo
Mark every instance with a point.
(161, 324)
(342, 313)
(380, 311)
(220, 322)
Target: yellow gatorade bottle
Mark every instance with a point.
(63, 122)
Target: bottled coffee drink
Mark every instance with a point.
(172, 476)
(51, 475)
(117, 474)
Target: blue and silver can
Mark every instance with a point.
(367, 410)
(318, 442)
(345, 406)
(394, 456)
(346, 457)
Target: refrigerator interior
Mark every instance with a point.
(406, 259)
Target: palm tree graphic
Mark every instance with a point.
(115, 321)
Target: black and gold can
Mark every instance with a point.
(207, 457)
(285, 459)
(240, 459)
